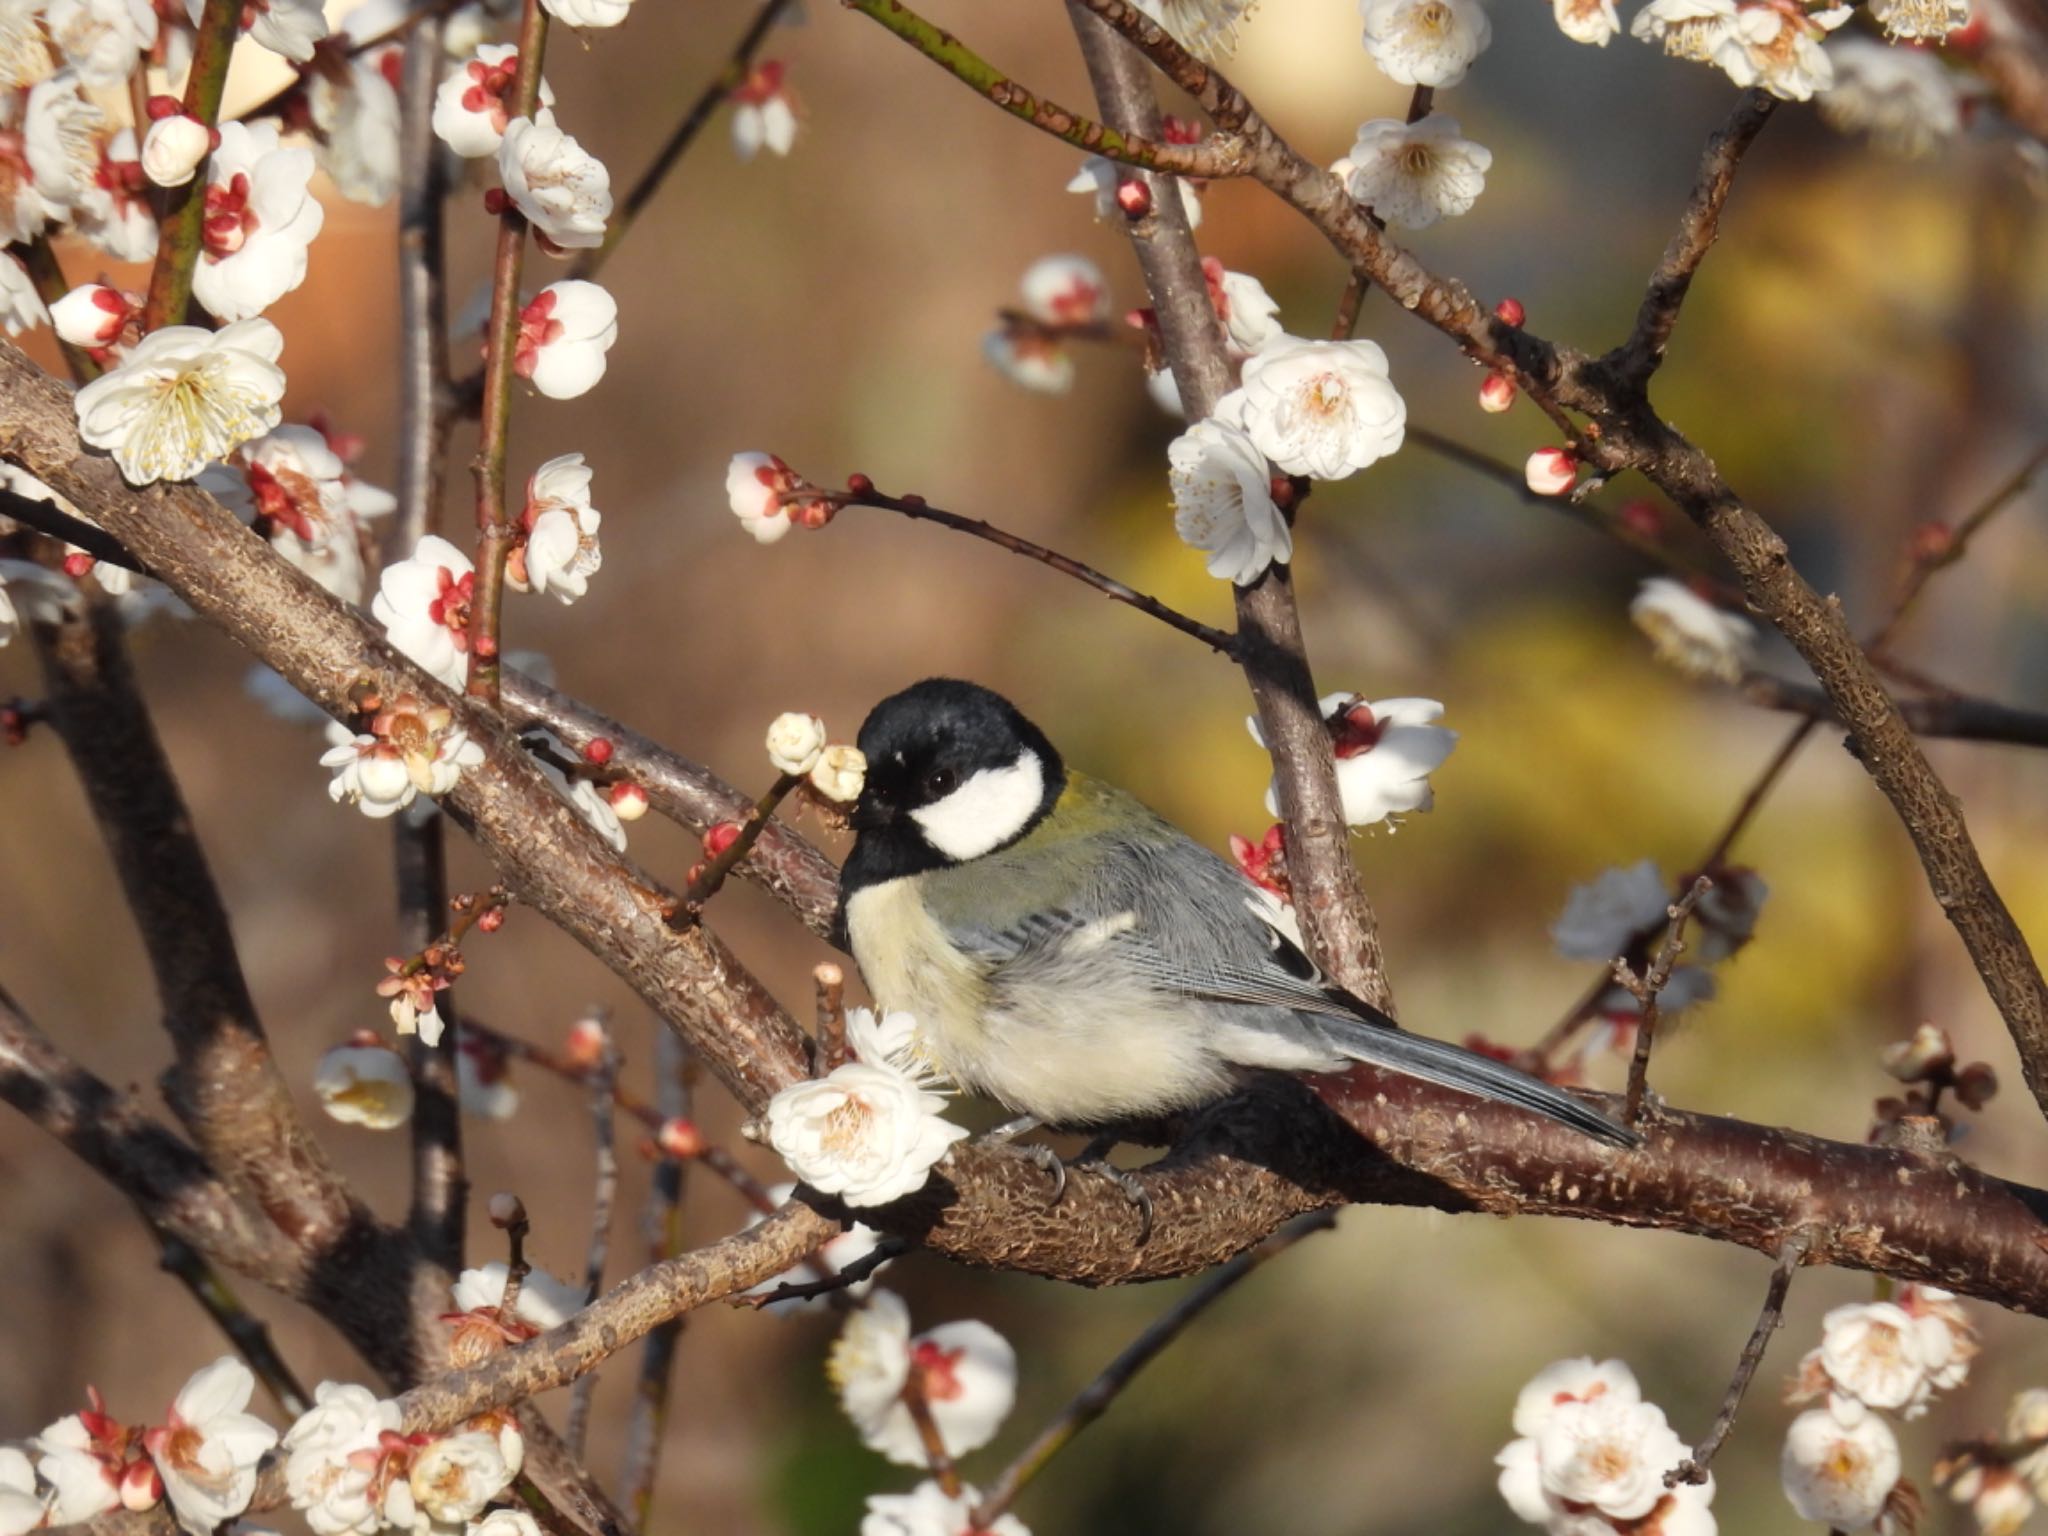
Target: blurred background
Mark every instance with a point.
(1860, 354)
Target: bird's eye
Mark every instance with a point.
(940, 782)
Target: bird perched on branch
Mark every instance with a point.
(1071, 954)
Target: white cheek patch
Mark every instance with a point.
(987, 811)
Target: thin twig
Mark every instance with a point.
(181, 234)
(831, 1284)
(509, 1213)
(662, 1228)
(706, 882)
(1647, 989)
(1094, 1399)
(936, 1456)
(918, 509)
(1948, 716)
(244, 1329)
(601, 1083)
(831, 987)
(1791, 1253)
(48, 517)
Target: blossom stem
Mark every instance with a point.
(1214, 159)
(708, 880)
(918, 509)
(1645, 990)
(494, 526)
(601, 1081)
(832, 1283)
(1791, 1254)
(178, 239)
(244, 1329)
(935, 1453)
(1094, 1399)
(831, 982)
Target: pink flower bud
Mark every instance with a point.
(598, 750)
(1551, 471)
(629, 800)
(77, 563)
(1510, 312)
(142, 1487)
(172, 152)
(1134, 197)
(161, 106)
(90, 315)
(1496, 393)
(720, 837)
(679, 1138)
(1644, 519)
(585, 1046)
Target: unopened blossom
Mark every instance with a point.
(763, 112)
(183, 397)
(1244, 307)
(208, 1449)
(505, 1522)
(1550, 471)
(411, 749)
(1206, 28)
(173, 149)
(855, 1242)
(565, 332)
(331, 1458)
(966, 1373)
(1425, 42)
(1264, 863)
(565, 192)
(1587, 21)
(1100, 177)
(21, 307)
(473, 108)
(839, 773)
(1319, 408)
(1602, 918)
(61, 133)
(588, 13)
(868, 1131)
(1496, 393)
(560, 553)
(423, 602)
(22, 1508)
(287, 27)
(114, 212)
(1839, 1474)
(544, 1302)
(1386, 749)
(260, 219)
(25, 56)
(1780, 49)
(795, 742)
(88, 1460)
(928, 1510)
(102, 39)
(1906, 99)
(1412, 174)
(291, 487)
(1926, 21)
(454, 1477)
(1223, 501)
(367, 1085)
(91, 316)
(357, 115)
(1691, 634)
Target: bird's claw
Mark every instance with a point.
(1052, 1166)
(1133, 1191)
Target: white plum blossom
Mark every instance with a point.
(795, 742)
(1425, 42)
(411, 749)
(1029, 359)
(763, 112)
(588, 13)
(561, 552)
(1780, 50)
(595, 807)
(1386, 750)
(1947, 1339)
(1906, 99)
(1602, 917)
(564, 191)
(21, 307)
(505, 1521)
(1060, 293)
(357, 116)
(1686, 29)
(482, 1085)
(544, 1301)
(102, 39)
(1099, 177)
(854, 1243)
(22, 1509)
(366, 1085)
(454, 1477)
(928, 1510)
(173, 148)
(1927, 21)
(1839, 1474)
(757, 486)
(1065, 290)
(61, 133)
(183, 397)
(208, 1450)
(25, 54)
(33, 593)
(91, 316)
(1999, 1497)
(113, 211)
(472, 107)
(423, 602)
(330, 1468)
(869, 1131)
(1591, 1455)
(839, 773)
(1690, 633)
(1207, 28)
(1319, 408)
(1572, 1381)
(1245, 308)
(288, 27)
(1888, 1355)
(292, 487)
(1587, 21)
(260, 220)
(967, 1373)
(565, 331)
(1412, 174)
(1223, 501)
(1550, 472)
(81, 1463)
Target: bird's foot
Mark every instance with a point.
(1096, 1155)
(1048, 1161)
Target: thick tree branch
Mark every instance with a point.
(1956, 718)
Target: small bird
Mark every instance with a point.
(1074, 956)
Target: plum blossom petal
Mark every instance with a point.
(1425, 42)
(1412, 174)
(565, 191)
(1319, 408)
(330, 1468)
(208, 1450)
(366, 1085)
(1223, 501)
(183, 397)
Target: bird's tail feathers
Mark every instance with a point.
(1452, 1066)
